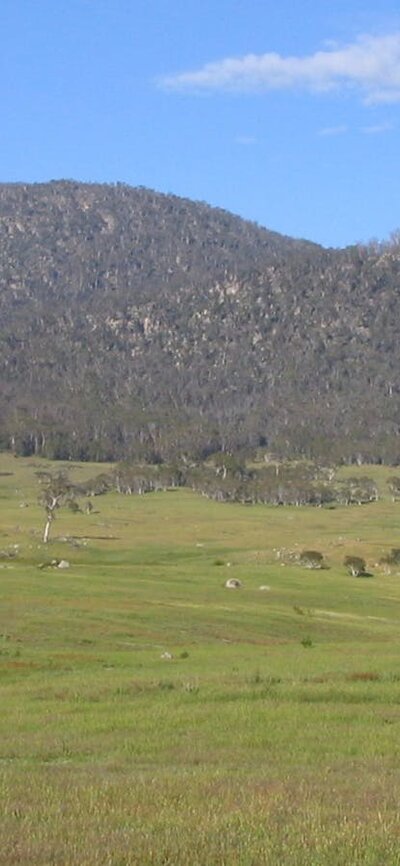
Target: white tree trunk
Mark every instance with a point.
(47, 531)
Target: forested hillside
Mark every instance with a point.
(139, 324)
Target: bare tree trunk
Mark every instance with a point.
(47, 530)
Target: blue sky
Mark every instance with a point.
(285, 112)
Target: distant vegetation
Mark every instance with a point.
(144, 326)
(283, 484)
(297, 483)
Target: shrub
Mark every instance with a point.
(355, 565)
(363, 676)
(166, 685)
(394, 487)
(311, 559)
(10, 552)
(392, 558)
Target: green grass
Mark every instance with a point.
(150, 716)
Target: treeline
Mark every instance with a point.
(228, 480)
(102, 433)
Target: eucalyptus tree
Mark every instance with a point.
(57, 491)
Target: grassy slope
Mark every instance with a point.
(246, 747)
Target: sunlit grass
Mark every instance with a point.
(150, 716)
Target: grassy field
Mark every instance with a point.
(151, 716)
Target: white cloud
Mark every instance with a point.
(333, 130)
(246, 139)
(377, 129)
(370, 65)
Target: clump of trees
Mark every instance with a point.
(230, 478)
(280, 484)
(357, 491)
(129, 479)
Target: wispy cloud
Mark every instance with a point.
(370, 65)
(246, 139)
(333, 130)
(377, 129)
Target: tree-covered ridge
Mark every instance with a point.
(134, 323)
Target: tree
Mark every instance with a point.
(227, 463)
(57, 491)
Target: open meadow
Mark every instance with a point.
(149, 715)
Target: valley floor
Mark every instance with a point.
(151, 716)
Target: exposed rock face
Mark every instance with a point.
(143, 324)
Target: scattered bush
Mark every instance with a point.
(299, 610)
(392, 558)
(11, 552)
(257, 679)
(302, 611)
(190, 687)
(394, 487)
(363, 676)
(311, 559)
(355, 565)
(306, 642)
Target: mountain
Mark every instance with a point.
(146, 325)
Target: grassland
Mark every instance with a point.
(150, 716)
